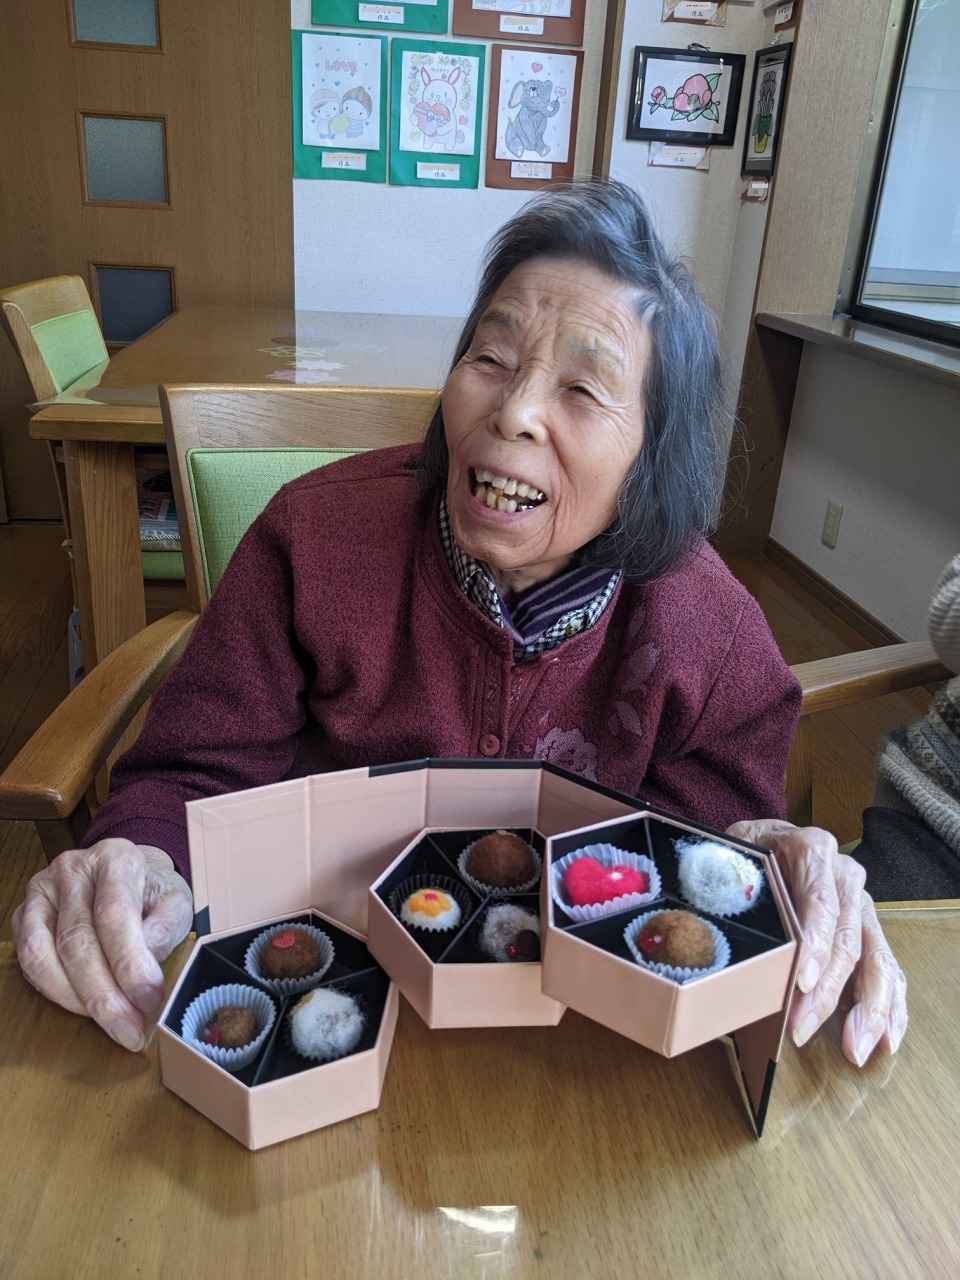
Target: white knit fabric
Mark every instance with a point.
(918, 768)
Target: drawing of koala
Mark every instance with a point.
(440, 97)
(358, 108)
(324, 107)
(524, 131)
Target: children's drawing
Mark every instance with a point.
(533, 116)
(440, 97)
(341, 91)
(762, 126)
(682, 95)
(693, 99)
(542, 8)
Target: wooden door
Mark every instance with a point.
(220, 86)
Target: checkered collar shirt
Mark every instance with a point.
(541, 618)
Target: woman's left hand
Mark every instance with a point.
(841, 938)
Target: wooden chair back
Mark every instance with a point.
(285, 418)
(54, 330)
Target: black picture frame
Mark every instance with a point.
(766, 110)
(653, 115)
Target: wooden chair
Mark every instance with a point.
(55, 332)
(48, 782)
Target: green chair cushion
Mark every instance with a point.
(71, 346)
(230, 488)
(166, 565)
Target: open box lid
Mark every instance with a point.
(323, 840)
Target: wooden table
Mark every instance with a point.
(551, 1152)
(102, 416)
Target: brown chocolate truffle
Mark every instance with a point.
(291, 954)
(231, 1027)
(677, 938)
(501, 860)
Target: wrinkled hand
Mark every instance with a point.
(842, 938)
(93, 928)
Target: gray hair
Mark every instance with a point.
(670, 498)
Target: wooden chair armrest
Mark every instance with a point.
(867, 673)
(50, 776)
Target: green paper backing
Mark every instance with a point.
(416, 17)
(403, 164)
(307, 160)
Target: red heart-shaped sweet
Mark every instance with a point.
(284, 940)
(588, 882)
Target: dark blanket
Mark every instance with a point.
(905, 860)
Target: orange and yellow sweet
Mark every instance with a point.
(430, 909)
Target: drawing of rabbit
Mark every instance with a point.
(438, 92)
(524, 131)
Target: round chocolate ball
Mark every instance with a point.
(291, 954)
(677, 938)
(231, 1027)
(501, 860)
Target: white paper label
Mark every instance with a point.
(697, 10)
(784, 13)
(437, 172)
(354, 160)
(530, 169)
(758, 189)
(381, 13)
(511, 25)
(677, 157)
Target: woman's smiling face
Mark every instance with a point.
(544, 414)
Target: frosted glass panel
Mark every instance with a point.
(124, 159)
(116, 21)
(132, 300)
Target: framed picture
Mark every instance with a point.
(339, 106)
(436, 99)
(678, 95)
(551, 21)
(382, 15)
(766, 109)
(533, 111)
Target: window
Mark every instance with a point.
(129, 24)
(131, 300)
(124, 160)
(910, 265)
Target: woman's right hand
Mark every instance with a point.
(93, 928)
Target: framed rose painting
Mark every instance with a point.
(679, 95)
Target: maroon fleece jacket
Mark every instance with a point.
(338, 638)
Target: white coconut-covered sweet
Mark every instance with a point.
(326, 1024)
(716, 878)
(510, 932)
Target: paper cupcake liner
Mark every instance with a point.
(722, 899)
(675, 974)
(494, 891)
(328, 1057)
(607, 855)
(446, 884)
(201, 1011)
(289, 986)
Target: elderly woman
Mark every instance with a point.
(534, 582)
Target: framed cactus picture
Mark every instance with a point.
(767, 95)
(685, 96)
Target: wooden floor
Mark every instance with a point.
(35, 604)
